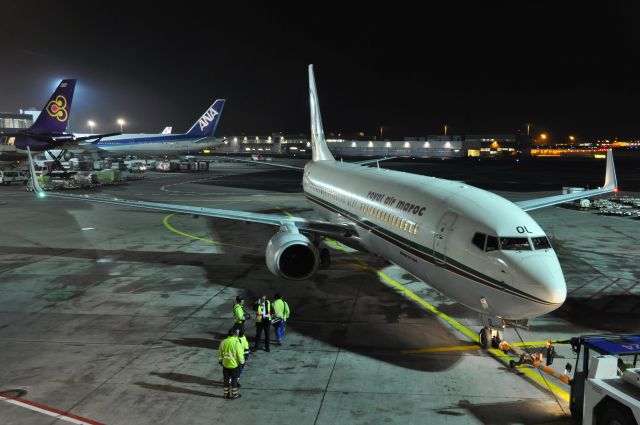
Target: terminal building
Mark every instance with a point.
(11, 122)
(434, 146)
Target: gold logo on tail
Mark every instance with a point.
(58, 108)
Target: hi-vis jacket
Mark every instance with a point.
(231, 353)
(266, 313)
(281, 309)
(238, 313)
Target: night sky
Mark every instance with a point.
(486, 67)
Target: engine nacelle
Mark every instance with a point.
(291, 255)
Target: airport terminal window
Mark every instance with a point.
(515, 244)
(478, 240)
(541, 243)
(492, 243)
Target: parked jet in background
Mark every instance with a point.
(199, 137)
(49, 131)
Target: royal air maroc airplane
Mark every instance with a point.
(474, 246)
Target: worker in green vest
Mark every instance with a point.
(263, 322)
(230, 357)
(281, 315)
(239, 313)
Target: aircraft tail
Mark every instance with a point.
(54, 117)
(319, 146)
(167, 130)
(207, 123)
(610, 179)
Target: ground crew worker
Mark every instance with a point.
(245, 348)
(230, 357)
(281, 312)
(263, 322)
(239, 314)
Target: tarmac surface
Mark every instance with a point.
(112, 315)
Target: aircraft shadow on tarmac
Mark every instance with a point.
(526, 412)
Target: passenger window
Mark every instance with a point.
(515, 244)
(411, 228)
(492, 243)
(541, 243)
(478, 240)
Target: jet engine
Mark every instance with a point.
(291, 255)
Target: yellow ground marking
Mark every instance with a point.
(441, 349)
(165, 222)
(287, 213)
(530, 373)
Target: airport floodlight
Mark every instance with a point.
(121, 122)
(91, 124)
(543, 136)
(572, 138)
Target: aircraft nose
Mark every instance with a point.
(543, 278)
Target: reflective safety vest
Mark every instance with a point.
(230, 352)
(263, 314)
(281, 309)
(244, 343)
(238, 313)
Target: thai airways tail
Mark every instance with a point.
(319, 146)
(54, 117)
(207, 123)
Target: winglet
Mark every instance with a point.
(319, 146)
(610, 180)
(34, 179)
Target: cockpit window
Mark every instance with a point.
(492, 243)
(541, 243)
(515, 244)
(478, 240)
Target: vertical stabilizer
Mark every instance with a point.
(610, 179)
(318, 144)
(207, 123)
(54, 117)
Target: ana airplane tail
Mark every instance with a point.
(319, 146)
(54, 117)
(207, 123)
(167, 130)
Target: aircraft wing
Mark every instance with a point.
(321, 227)
(250, 161)
(610, 185)
(365, 162)
(371, 161)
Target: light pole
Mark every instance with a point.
(91, 124)
(121, 122)
(445, 129)
(381, 128)
(528, 128)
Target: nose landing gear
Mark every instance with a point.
(492, 333)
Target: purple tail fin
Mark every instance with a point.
(54, 117)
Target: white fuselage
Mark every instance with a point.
(155, 144)
(426, 225)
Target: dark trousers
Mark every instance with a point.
(240, 326)
(265, 326)
(230, 377)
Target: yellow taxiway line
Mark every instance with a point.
(165, 222)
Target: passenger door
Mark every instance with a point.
(442, 233)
